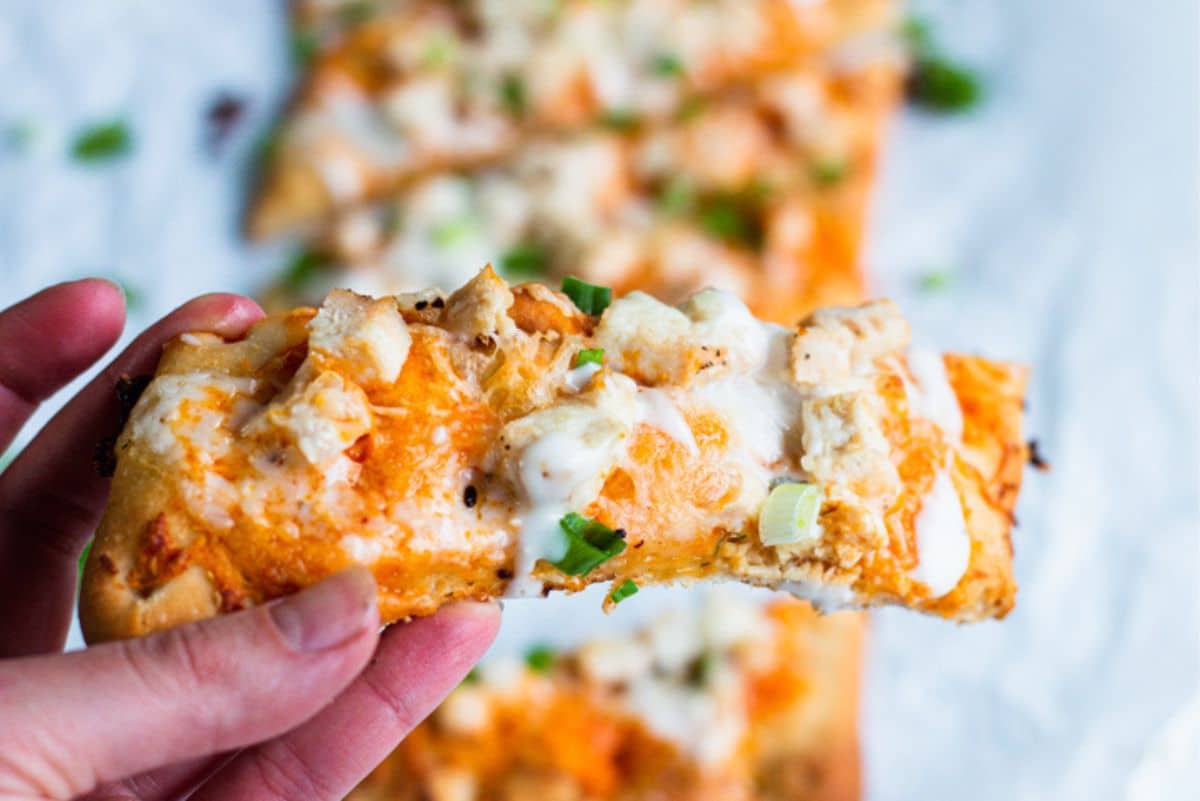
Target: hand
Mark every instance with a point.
(299, 698)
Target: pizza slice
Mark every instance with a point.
(395, 90)
(762, 192)
(516, 441)
(734, 701)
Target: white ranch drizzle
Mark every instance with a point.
(554, 470)
(933, 398)
(579, 377)
(656, 409)
(943, 543)
(825, 597)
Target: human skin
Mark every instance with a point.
(299, 698)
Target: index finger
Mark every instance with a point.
(51, 497)
(69, 326)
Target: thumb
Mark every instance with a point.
(75, 720)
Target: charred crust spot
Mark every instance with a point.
(545, 590)
(639, 543)
(504, 574)
(360, 450)
(438, 303)
(420, 305)
(128, 390)
(105, 561)
(1036, 459)
(104, 457)
(160, 559)
(232, 600)
(620, 533)
(484, 342)
(470, 496)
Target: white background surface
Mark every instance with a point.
(1066, 210)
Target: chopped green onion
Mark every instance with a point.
(452, 232)
(472, 677)
(625, 589)
(512, 94)
(935, 82)
(690, 109)
(676, 196)
(668, 65)
(83, 557)
(936, 281)
(589, 544)
(304, 47)
(107, 140)
(439, 51)
(302, 269)
(540, 658)
(590, 299)
(589, 356)
(790, 514)
(731, 222)
(619, 120)
(527, 260)
(829, 172)
(939, 85)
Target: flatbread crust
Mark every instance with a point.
(773, 694)
(251, 469)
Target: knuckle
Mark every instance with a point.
(179, 669)
(169, 662)
(399, 707)
(283, 775)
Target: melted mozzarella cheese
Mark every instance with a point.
(181, 410)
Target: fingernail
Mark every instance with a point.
(473, 608)
(235, 313)
(327, 614)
